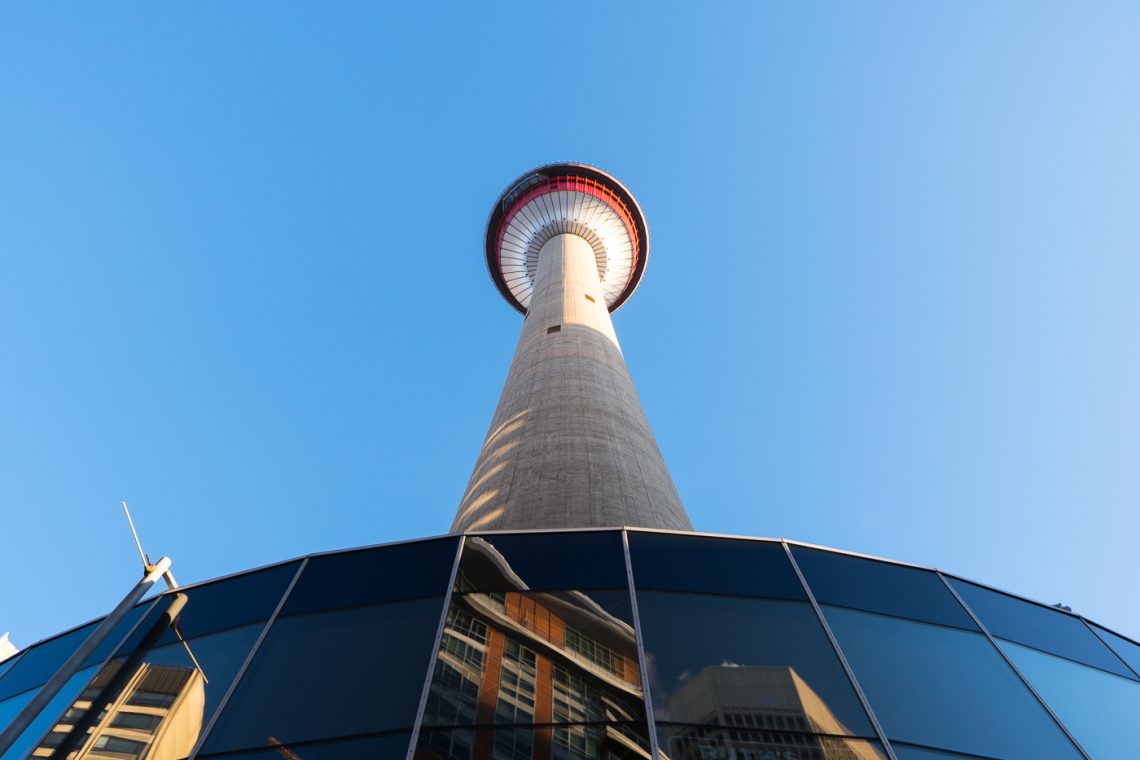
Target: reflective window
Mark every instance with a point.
(392, 746)
(671, 562)
(1039, 627)
(8, 663)
(219, 605)
(542, 562)
(944, 687)
(120, 631)
(865, 584)
(910, 752)
(1099, 709)
(355, 671)
(710, 656)
(534, 657)
(371, 576)
(44, 721)
(748, 736)
(10, 708)
(599, 741)
(40, 662)
(1127, 650)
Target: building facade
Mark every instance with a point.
(572, 613)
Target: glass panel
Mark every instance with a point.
(734, 741)
(163, 696)
(542, 562)
(111, 643)
(1127, 650)
(603, 741)
(710, 656)
(315, 677)
(40, 662)
(1098, 708)
(371, 576)
(910, 752)
(8, 663)
(557, 657)
(217, 606)
(384, 747)
(944, 687)
(10, 708)
(1039, 627)
(865, 584)
(43, 721)
(671, 562)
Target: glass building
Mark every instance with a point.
(572, 613)
(587, 644)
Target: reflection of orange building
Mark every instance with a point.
(765, 711)
(521, 658)
(157, 715)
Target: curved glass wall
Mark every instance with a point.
(576, 645)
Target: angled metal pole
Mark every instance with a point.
(68, 669)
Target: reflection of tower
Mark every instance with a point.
(569, 445)
(157, 716)
(767, 709)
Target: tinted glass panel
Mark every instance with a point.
(542, 562)
(1098, 708)
(880, 587)
(555, 657)
(735, 740)
(159, 694)
(228, 603)
(383, 747)
(910, 752)
(944, 687)
(720, 565)
(112, 642)
(6, 664)
(43, 723)
(384, 574)
(41, 661)
(712, 654)
(354, 671)
(11, 707)
(1125, 649)
(1039, 627)
(565, 742)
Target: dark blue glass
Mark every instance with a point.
(741, 737)
(597, 741)
(1129, 651)
(321, 676)
(46, 719)
(671, 562)
(8, 663)
(945, 687)
(865, 584)
(40, 662)
(1099, 709)
(543, 562)
(1039, 627)
(711, 654)
(393, 746)
(910, 752)
(371, 576)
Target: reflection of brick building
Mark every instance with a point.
(522, 658)
(157, 715)
(756, 712)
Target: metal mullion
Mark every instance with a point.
(249, 658)
(102, 664)
(415, 737)
(993, 642)
(650, 721)
(842, 657)
(1104, 641)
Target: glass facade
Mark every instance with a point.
(575, 645)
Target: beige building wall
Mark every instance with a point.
(569, 445)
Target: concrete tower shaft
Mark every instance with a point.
(569, 445)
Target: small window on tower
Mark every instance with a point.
(556, 328)
(590, 298)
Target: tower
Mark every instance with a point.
(569, 445)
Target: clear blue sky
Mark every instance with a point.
(893, 304)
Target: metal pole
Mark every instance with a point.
(68, 669)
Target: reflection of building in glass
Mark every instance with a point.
(762, 710)
(523, 658)
(156, 716)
